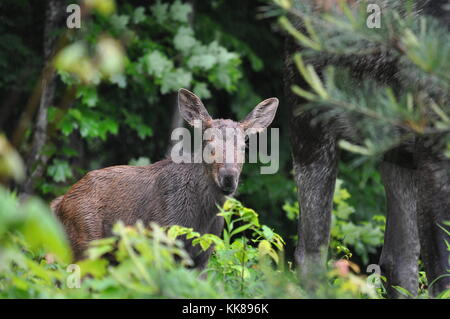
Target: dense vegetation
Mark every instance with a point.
(151, 263)
(109, 99)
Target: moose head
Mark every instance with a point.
(224, 148)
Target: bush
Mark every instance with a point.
(150, 262)
(346, 234)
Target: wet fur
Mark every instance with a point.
(165, 192)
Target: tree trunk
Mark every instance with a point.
(8, 106)
(177, 120)
(36, 161)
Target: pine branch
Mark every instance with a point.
(408, 53)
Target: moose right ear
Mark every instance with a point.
(192, 108)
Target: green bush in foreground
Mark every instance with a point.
(150, 262)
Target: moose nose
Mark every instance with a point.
(228, 179)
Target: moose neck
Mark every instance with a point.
(196, 184)
(199, 194)
(207, 184)
(196, 181)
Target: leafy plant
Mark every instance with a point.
(362, 237)
(149, 262)
(236, 257)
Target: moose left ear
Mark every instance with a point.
(261, 116)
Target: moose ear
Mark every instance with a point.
(191, 107)
(261, 116)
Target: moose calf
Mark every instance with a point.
(165, 192)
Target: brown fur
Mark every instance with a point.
(165, 192)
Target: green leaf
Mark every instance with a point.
(110, 56)
(94, 267)
(180, 11)
(41, 230)
(202, 91)
(160, 11)
(120, 80)
(59, 170)
(300, 37)
(354, 148)
(67, 151)
(135, 122)
(305, 94)
(104, 7)
(172, 81)
(68, 58)
(141, 161)
(139, 15)
(184, 39)
(67, 125)
(203, 61)
(119, 21)
(240, 229)
(11, 164)
(403, 291)
(158, 64)
(76, 114)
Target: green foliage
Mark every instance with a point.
(27, 231)
(150, 262)
(237, 257)
(37, 229)
(59, 170)
(363, 238)
(119, 74)
(405, 43)
(11, 164)
(141, 161)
